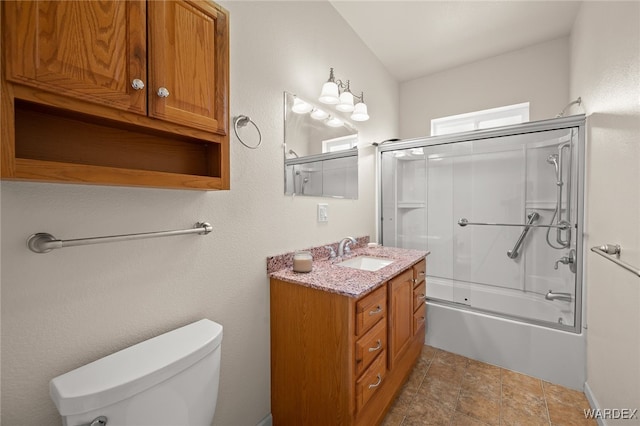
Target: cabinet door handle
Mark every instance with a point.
(375, 385)
(163, 92)
(422, 273)
(137, 84)
(377, 311)
(423, 297)
(379, 345)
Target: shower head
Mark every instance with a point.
(292, 152)
(385, 141)
(553, 159)
(564, 110)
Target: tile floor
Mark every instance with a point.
(449, 389)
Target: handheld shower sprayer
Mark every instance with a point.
(553, 159)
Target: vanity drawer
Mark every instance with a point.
(370, 381)
(371, 309)
(420, 271)
(370, 345)
(419, 318)
(419, 294)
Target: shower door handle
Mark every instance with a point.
(513, 253)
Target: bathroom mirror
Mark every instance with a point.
(320, 151)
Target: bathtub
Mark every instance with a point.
(549, 354)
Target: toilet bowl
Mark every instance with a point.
(169, 380)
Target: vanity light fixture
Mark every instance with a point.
(331, 94)
(301, 107)
(334, 122)
(319, 114)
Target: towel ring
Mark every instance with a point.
(241, 121)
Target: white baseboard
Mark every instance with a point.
(593, 402)
(267, 421)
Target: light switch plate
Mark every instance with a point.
(323, 212)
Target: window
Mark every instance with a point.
(339, 144)
(494, 117)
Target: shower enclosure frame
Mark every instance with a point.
(576, 121)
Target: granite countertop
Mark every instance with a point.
(326, 275)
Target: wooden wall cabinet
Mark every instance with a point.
(338, 360)
(112, 92)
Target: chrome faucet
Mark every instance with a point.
(343, 247)
(332, 252)
(558, 296)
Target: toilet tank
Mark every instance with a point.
(169, 380)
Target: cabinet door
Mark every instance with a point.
(89, 50)
(400, 314)
(188, 61)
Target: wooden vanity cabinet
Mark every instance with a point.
(419, 297)
(133, 92)
(331, 354)
(401, 315)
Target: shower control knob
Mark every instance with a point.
(568, 260)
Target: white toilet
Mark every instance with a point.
(169, 380)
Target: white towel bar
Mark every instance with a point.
(43, 242)
(611, 252)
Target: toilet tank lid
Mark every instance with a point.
(132, 370)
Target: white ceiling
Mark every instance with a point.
(416, 38)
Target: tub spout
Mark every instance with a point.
(567, 297)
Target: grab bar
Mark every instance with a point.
(562, 225)
(43, 242)
(608, 251)
(513, 253)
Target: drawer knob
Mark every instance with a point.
(137, 84)
(376, 384)
(163, 92)
(379, 345)
(376, 311)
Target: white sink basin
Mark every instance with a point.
(365, 263)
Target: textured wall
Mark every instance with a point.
(538, 74)
(605, 72)
(69, 307)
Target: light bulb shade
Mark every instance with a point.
(329, 94)
(360, 112)
(346, 102)
(334, 122)
(318, 114)
(301, 107)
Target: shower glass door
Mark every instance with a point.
(493, 263)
